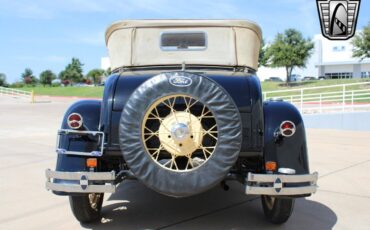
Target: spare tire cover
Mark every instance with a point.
(180, 183)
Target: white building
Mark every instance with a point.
(335, 60)
(332, 59)
(105, 63)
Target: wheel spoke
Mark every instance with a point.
(186, 104)
(211, 135)
(156, 116)
(213, 127)
(204, 153)
(174, 162)
(190, 162)
(204, 115)
(157, 152)
(205, 148)
(195, 101)
(165, 164)
(151, 133)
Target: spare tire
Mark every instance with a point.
(180, 133)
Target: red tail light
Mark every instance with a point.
(287, 128)
(75, 121)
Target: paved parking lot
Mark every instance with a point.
(27, 139)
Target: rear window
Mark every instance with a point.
(183, 41)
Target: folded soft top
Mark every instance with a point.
(168, 42)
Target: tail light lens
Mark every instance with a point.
(75, 121)
(287, 128)
(270, 166)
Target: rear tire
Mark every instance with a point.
(277, 210)
(86, 208)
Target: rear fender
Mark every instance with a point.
(288, 152)
(90, 112)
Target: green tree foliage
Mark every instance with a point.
(289, 50)
(2, 79)
(96, 75)
(262, 56)
(46, 77)
(361, 43)
(28, 77)
(73, 72)
(108, 72)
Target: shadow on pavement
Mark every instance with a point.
(134, 206)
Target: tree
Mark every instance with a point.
(108, 72)
(28, 77)
(46, 77)
(96, 75)
(73, 72)
(361, 43)
(262, 56)
(2, 79)
(289, 50)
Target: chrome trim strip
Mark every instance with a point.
(256, 190)
(75, 188)
(266, 178)
(88, 154)
(80, 131)
(109, 176)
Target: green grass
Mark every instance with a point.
(271, 86)
(335, 91)
(266, 86)
(67, 91)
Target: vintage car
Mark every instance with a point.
(182, 112)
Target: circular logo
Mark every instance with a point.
(180, 81)
(84, 182)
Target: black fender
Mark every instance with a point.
(90, 111)
(287, 152)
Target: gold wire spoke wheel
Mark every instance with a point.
(179, 132)
(94, 199)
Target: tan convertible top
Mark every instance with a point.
(229, 43)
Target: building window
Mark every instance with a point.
(365, 74)
(343, 75)
(339, 48)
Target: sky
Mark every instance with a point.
(44, 34)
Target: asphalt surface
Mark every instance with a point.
(27, 142)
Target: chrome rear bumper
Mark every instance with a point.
(281, 184)
(81, 182)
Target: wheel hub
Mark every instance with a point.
(181, 133)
